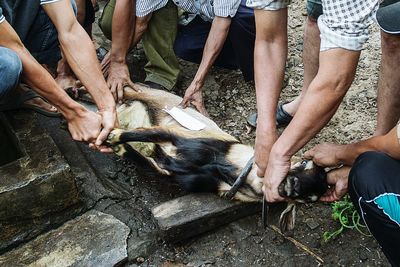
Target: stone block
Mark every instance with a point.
(193, 214)
(93, 239)
(37, 190)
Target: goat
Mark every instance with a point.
(208, 160)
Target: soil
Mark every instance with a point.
(229, 100)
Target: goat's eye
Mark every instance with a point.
(304, 163)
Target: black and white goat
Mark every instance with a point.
(208, 160)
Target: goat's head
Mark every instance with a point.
(306, 182)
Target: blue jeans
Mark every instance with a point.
(10, 70)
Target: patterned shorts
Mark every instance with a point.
(314, 7)
(268, 4)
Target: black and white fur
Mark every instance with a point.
(208, 160)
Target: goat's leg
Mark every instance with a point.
(146, 135)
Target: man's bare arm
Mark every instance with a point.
(323, 97)
(33, 73)
(325, 93)
(79, 52)
(82, 124)
(127, 30)
(123, 29)
(215, 41)
(388, 144)
(270, 55)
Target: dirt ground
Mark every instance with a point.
(229, 100)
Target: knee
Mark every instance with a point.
(364, 178)
(10, 69)
(312, 22)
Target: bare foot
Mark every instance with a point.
(36, 101)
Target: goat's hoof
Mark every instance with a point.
(115, 136)
(119, 149)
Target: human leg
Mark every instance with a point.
(14, 96)
(388, 84)
(158, 44)
(311, 46)
(374, 187)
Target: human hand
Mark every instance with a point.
(105, 64)
(194, 96)
(338, 179)
(108, 122)
(84, 125)
(118, 78)
(325, 155)
(277, 169)
(263, 145)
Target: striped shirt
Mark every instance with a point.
(43, 2)
(2, 18)
(206, 9)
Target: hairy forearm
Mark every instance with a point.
(323, 97)
(215, 41)
(270, 55)
(36, 76)
(123, 28)
(388, 144)
(269, 67)
(80, 54)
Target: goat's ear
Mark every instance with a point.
(287, 219)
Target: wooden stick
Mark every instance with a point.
(298, 244)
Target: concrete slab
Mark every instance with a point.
(193, 214)
(38, 190)
(93, 239)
